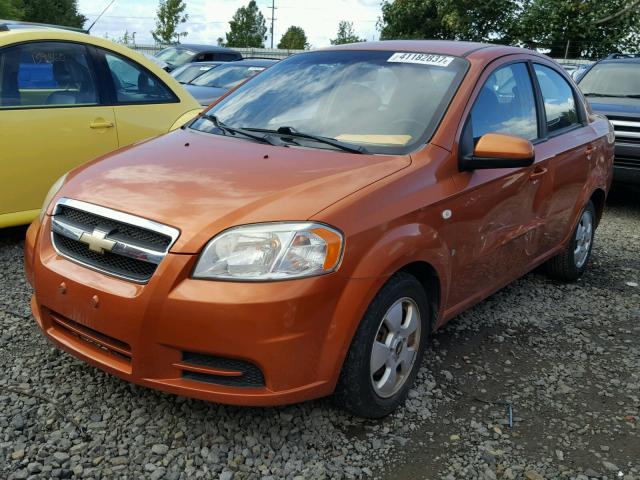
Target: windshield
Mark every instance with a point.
(175, 55)
(384, 101)
(190, 71)
(615, 79)
(227, 76)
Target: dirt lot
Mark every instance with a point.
(564, 360)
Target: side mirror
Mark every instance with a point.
(498, 150)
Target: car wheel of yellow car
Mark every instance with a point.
(387, 350)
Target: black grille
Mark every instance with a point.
(116, 264)
(627, 162)
(251, 375)
(120, 231)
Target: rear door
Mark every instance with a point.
(51, 119)
(144, 105)
(568, 149)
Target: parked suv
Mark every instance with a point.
(308, 232)
(612, 86)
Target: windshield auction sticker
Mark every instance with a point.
(421, 58)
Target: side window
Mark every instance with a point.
(506, 104)
(133, 84)
(46, 74)
(225, 57)
(559, 102)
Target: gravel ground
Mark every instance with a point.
(564, 359)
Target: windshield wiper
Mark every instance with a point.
(292, 132)
(233, 131)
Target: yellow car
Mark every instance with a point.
(66, 98)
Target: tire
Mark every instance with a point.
(375, 394)
(570, 264)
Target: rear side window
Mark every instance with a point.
(133, 84)
(226, 57)
(46, 74)
(506, 104)
(559, 101)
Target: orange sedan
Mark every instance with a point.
(307, 233)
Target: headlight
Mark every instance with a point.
(55, 188)
(271, 251)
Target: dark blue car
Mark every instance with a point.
(612, 86)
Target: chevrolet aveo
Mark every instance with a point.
(307, 233)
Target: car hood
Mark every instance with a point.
(624, 107)
(205, 95)
(203, 183)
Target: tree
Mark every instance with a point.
(575, 28)
(346, 34)
(127, 38)
(294, 39)
(247, 28)
(489, 20)
(10, 9)
(170, 15)
(57, 12)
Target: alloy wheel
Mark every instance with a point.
(395, 347)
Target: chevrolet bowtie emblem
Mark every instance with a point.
(97, 240)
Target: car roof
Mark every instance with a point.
(440, 47)
(620, 60)
(198, 64)
(201, 48)
(9, 25)
(253, 62)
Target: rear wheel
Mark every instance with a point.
(570, 264)
(386, 352)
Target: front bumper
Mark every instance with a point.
(626, 166)
(294, 334)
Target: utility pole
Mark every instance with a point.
(273, 18)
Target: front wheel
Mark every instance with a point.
(387, 349)
(570, 264)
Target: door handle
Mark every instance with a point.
(538, 172)
(100, 124)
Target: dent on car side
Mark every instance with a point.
(463, 233)
(45, 141)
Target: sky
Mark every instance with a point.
(209, 19)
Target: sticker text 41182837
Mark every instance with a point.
(421, 58)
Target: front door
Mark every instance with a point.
(497, 227)
(51, 119)
(144, 106)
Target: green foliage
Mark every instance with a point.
(489, 20)
(543, 24)
(10, 9)
(550, 24)
(170, 15)
(346, 34)
(247, 28)
(294, 39)
(57, 12)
